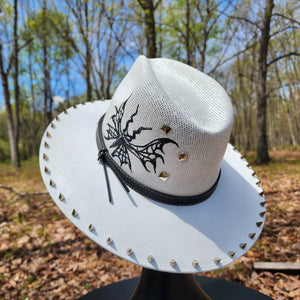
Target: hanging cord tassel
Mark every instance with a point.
(102, 157)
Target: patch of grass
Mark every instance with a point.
(32, 279)
(258, 245)
(8, 255)
(239, 268)
(41, 231)
(86, 285)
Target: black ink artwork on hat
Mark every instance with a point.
(123, 145)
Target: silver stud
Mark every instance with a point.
(129, 251)
(91, 227)
(109, 241)
(61, 197)
(45, 157)
(150, 258)
(261, 193)
(163, 176)
(262, 214)
(262, 204)
(165, 129)
(52, 183)
(65, 111)
(254, 174)
(74, 213)
(217, 260)
(195, 263)
(243, 245)
(173, 263)
(75, 106)
(258, 182)
(46, 145)
(243, 156)
(258, 224)
(52, 125)
(248, 165)
(48, 135)
(57, 118)
(182, 157)
(252, 235)
(231, 254)
(47, 171)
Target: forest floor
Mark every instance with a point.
(43, 256)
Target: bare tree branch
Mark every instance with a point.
(287, 18)
(283, 56)
(241, 19)
(155, 6)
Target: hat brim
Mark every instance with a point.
(213, 233)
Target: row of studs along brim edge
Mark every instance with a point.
(129, 251)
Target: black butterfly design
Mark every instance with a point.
(123, 145)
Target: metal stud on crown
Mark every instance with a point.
(61, 197)
(109, 241)
(57, 118)
(52, 125)
(46, 170)
(163, 176)
(182, 157)
(165, 129)
(52, 183)
(45, 157)
(48, 134)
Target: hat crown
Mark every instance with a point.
(168, 126)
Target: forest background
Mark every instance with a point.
(58, 53)
(54, 54)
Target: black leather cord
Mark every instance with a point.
(128, 181)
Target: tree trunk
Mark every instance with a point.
(47, 95)
(16, 163)
(187, 32)
(148, 8)
(262, 143)
(9, 113)
(87, 54)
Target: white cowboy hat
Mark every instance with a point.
(150, 175)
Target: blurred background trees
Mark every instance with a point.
(54, 54)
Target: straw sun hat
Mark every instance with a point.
(150, 175)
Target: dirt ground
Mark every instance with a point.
(43, 256)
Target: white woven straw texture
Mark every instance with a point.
(197, 109)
